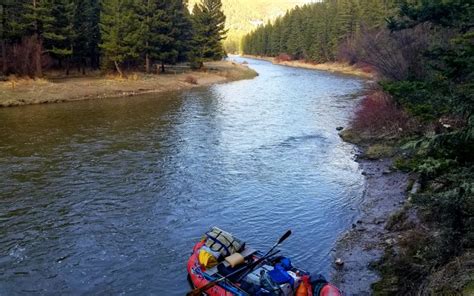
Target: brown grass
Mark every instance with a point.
(337, 67)
(19, 91)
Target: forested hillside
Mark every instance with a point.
(244, 16)
(316, 31)
(42, 34)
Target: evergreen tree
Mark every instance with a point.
(209, 31)
(122, 34)
(373, 14)
(156, 28)
(179, 34)
(295, 40)
(182, 29)
(348, 19)
(60, 35)
(86, 33)
(38, 22)
(10, 27)
(317, 31)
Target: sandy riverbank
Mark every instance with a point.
(17, 92)
(340, 68)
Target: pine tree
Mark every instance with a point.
(10, 27)
(348, 19)
(121, 31)
(209, 31)
(156, 28)
(295, 40)
(373, 13)
(182, 29)
(87, 33)
(60, 35)
(38, 22)
(276, 37)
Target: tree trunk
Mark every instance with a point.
(84, 62)
(38, 57)
(117, 67)
(38, 49)
(147, 56)
(162, 67)
(147, 63)
(4, 57)
(67, 66)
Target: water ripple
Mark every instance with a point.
(108, 197)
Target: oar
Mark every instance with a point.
(199, 291)
(252, 267)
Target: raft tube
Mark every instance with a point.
(199, 278)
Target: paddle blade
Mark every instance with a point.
(284, 237)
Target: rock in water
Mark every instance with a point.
(339, 262)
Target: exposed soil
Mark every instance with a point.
(53, 89)
(385, 193)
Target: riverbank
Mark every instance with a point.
(17, 92)
(341, 68)
(396, 245)
(364, 245)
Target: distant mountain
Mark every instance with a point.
(245, 15)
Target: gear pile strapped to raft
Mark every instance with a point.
(223, 265)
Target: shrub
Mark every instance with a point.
(283, 57)
(394, 55)
(22, 57)
(191, 80)
(379, 116)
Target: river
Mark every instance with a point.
(108, 196)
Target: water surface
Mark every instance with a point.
(109, 196)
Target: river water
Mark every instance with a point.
(109, 196)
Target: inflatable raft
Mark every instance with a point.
(249, 272)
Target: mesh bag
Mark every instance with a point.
(223, 242)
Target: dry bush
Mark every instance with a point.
(394, 55)
(347, 52)
(283, 57)
(379, 116)
(366, 68)
(191, 80)
(21, 57)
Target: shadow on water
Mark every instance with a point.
(108, 196)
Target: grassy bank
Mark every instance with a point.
(335, 67)
(53, 88)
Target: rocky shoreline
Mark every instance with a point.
(359, 248)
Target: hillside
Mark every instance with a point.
(245, 15)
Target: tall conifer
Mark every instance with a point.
(121, 31)
(209, 31)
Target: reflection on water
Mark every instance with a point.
(108, 196)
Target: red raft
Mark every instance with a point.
(219, 254)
